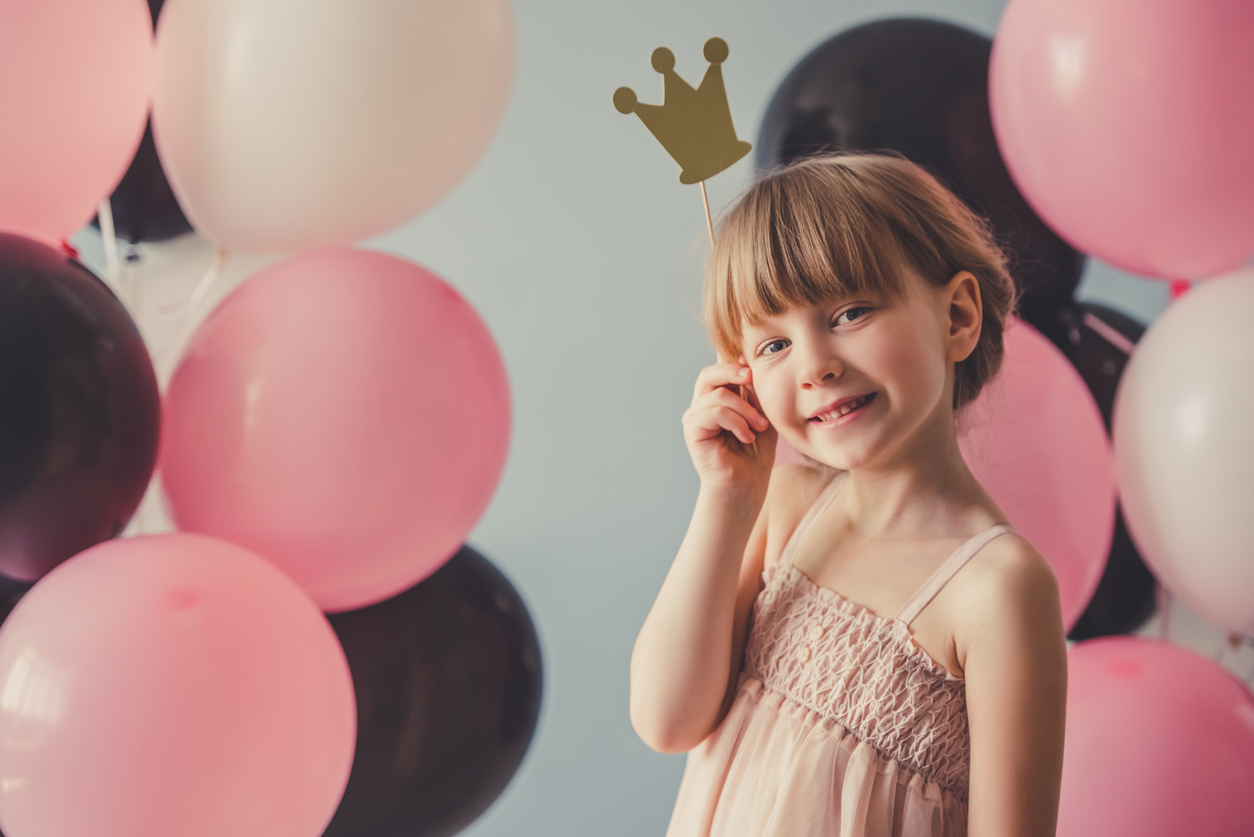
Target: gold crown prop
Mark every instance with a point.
(693, 125)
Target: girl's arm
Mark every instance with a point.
(682, 668)
(686, 657)
(1016, 673)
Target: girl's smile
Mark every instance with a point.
(842, 411)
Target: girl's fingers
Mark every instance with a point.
(733, 422)
(711, 421)
(727, 398)
(720, 375)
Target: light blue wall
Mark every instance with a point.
(577, 243)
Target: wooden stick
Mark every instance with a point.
(709, 222)
(709, 225)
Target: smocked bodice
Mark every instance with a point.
(865, 672)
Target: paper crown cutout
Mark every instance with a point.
(694, 126)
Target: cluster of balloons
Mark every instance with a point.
(1123, 132)
(333, 432)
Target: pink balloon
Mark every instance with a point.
(1159, 743)
(74, 100)
(1128, 127)
(171, 684)
(344, 414)
(1034, 438)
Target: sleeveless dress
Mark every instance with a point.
(841, 725)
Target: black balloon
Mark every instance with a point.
(143, 204)
(920, 87)
(1097, 340)
(80, 412)
(448, 681)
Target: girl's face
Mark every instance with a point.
(811, 363)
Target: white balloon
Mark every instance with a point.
(1185, 450)
(292, 124)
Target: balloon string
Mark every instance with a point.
(1109, 334)
(186, 317)
(1164, 610)
(202, 287)
(113, 265)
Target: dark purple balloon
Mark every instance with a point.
(920, 87)
(1096, 340)
(80, 412)
(448, 681)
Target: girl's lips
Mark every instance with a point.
(847, 417)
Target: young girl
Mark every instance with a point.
(860, 645)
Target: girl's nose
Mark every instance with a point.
(819, 367)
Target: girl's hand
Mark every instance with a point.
(720, 426)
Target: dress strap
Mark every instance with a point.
(821, 502)
(946, 571)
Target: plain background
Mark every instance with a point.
(580, 248)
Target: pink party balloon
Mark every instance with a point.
(1035, 439)
(344, 414)
(1185, 453)
(1128, 127)
(293, 124)
(1159, 743)
(171, 685)
(74, 93)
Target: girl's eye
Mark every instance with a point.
(774, 347)
(851, 310)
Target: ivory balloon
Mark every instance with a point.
(293, 124)
(1185, 452)
(74, 93)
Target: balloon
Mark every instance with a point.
(1034, 440)
(1128, 127)
(1159, 743)
(79, 410)
(1126, 595)
(920, 87)
(293, 124)
(73, 106)
(144, 207)
(448, 681)
(344, 414)
(171, 684)
(1185, 452)
(1097, 341)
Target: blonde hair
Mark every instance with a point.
(843, 224)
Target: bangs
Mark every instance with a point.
(800, 237)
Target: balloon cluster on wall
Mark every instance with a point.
(316, 649)
(1125, 132)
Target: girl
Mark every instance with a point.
(860, 645)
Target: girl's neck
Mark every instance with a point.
(917, 493)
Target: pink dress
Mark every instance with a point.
(841, 725)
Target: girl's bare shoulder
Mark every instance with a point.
(793, 489)
(1007, 585)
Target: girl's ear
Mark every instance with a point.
(966, 315)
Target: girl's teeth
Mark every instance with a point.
(844, 410)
